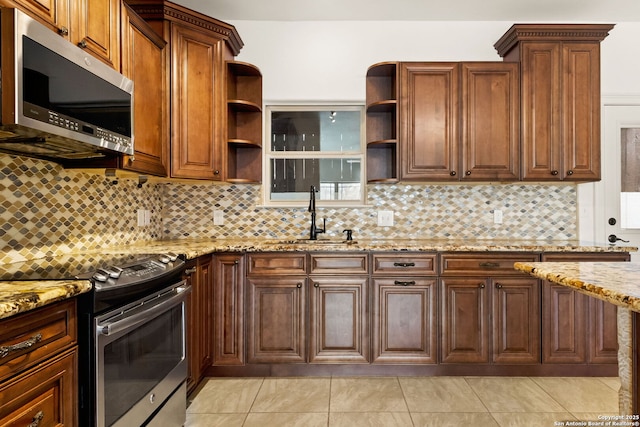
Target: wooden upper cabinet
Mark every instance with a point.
(195, 110)
(96, 28)
(429, 121)
(490, 133)
(199, 48)
(55, 14)
(93, 25)
(560, 98)
(144, 60)
(459, 121)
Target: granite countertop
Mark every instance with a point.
(20, 296)
(194, 248)
(615, 282)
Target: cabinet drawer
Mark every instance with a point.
(586, 256)
(405, 264)
(339, 263)
(277, 264)
(29, 338)
(492, 264)
(45, 395)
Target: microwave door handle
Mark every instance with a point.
(143, 316)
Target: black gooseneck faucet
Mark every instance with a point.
(314, 230)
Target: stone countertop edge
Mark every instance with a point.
(20, 296)
(193, 248)
(614, 282)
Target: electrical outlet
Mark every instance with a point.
(141, 218)
(497, 216)
(218, 217)
(385, 218)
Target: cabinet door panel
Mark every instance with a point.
(97, 29)
(581, 111)
(429, 121)
(45, 395)
(465, 329)
(53, 13)
(516, 318)
(277, 328)
(603, 332)
(228, 313)
(541, 65)
(144, 60)
(404, 327)
(490, 121)
(563, 324)
(195, 107)
(338, 320)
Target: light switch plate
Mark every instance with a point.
(385, 218)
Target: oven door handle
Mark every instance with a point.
(145, 315)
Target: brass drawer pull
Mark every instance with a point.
(399, 283)
(489, 264)
(6, 350)
(404, 264)
(36, 419)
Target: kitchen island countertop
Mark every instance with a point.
(617, 283)
(614, 282)
(20, 296)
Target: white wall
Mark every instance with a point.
(328, 60)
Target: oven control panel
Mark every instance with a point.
(141, 270)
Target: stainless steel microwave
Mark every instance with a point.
(58, 101)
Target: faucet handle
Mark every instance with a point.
(349, 234)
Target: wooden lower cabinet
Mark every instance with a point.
(43, 396)
(39, 372)
(228, 309)
(490, 320)
(276, 314)
(338, 319)
(577, 328)
(464, 320)
(516, 326)
(404, 320)
(199, 319)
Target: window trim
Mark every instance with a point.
(268, 155)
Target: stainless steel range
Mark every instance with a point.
(133, 366)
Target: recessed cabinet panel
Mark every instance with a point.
(490, 121)
(228, 310)
(338, 320)
(581, 111)
(196, 139)
(276, 324)
(404, 328)
(144, 60)
(516, 325)
(429, 117)
(464, 321)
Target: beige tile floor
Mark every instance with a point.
(401, 401)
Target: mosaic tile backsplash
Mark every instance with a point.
(43, 206)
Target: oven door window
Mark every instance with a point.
(137, 361)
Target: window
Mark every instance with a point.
(320, 146)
